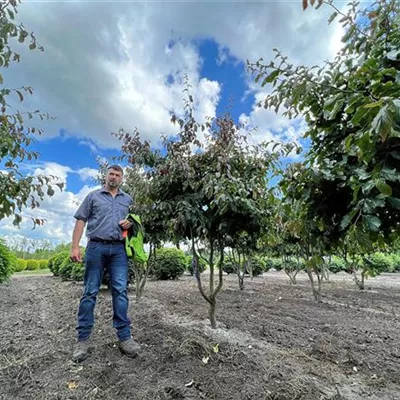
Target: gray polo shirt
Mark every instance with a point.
(102, 212)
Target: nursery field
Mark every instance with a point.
(274, 342)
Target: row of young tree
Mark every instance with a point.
(214, 189)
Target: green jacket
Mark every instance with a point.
(134, 240)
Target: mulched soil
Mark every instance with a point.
(274, 342)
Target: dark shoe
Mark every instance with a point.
(129, 347)
(81, 351)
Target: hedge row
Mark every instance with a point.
(256, 264)
(377, 262)
(30, 265)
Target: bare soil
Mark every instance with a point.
(274, 342)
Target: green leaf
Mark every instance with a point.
(359, 116)
(348, 142)
(271, 77)
(345, 221)
(383, 187)
(332, 17)
(372, 222)
(1, 79)
(21, 98)
(395, 202)
(373, 105)
(382, 123)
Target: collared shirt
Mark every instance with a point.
(102, 212)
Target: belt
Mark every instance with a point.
(107, 241)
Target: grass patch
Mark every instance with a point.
(45, 271)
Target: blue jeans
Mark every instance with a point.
(97, 257)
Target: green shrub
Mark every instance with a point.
(65, 270)
(396, 261)
(169, 263)
(56, 261)
(229, 265)
(21, 265)
(32, 265)
(43, 264)
(380, 262)
(258, 266)
(274, 262)
(337, 264)
(77, 272)
(202, 264)
(50, 263)
(6, 263)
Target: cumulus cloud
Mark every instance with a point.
(87, 173)
(109, 65)
(116, 65)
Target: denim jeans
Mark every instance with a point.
(98, 256)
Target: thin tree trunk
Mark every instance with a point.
(316, 292)
(211, 313)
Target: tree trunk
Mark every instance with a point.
(362, 286)
(241, 281)
(211, 313)
(292, 277)
(316, 291)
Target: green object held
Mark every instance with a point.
(134, 240)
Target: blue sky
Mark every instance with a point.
(80, 153)
(110, 65)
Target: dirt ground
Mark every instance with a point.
(274, 342)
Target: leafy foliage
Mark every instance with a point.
(6, 263)
(55, 262)
(70, 270)
(32, 265)
(169, 263)
(17, 191)
(21, 265)
(202, 265)
(349, 182)
(209, 187)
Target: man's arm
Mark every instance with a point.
(76, 238)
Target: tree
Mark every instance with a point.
(207, 191)
(350, 178)
(17, 191)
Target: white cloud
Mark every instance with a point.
(121, 64)
(109, 65)
(57, 210)
(87, 173)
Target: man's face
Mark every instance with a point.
(113, 178)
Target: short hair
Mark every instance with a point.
(116, 167)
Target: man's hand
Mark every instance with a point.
(125, 224)
(76, 255)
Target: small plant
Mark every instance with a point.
(43, 264)
(337, 264)
(169, 263)
(396, 261)
(380, 262)
(77, 272)
(56, 261)
(6, 263)
(275, 263)
(256, 266)
(202, 265)
(32, 265)
(230, 266)
(21, 265)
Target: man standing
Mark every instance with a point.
(104, 210)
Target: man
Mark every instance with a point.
(104, 210)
